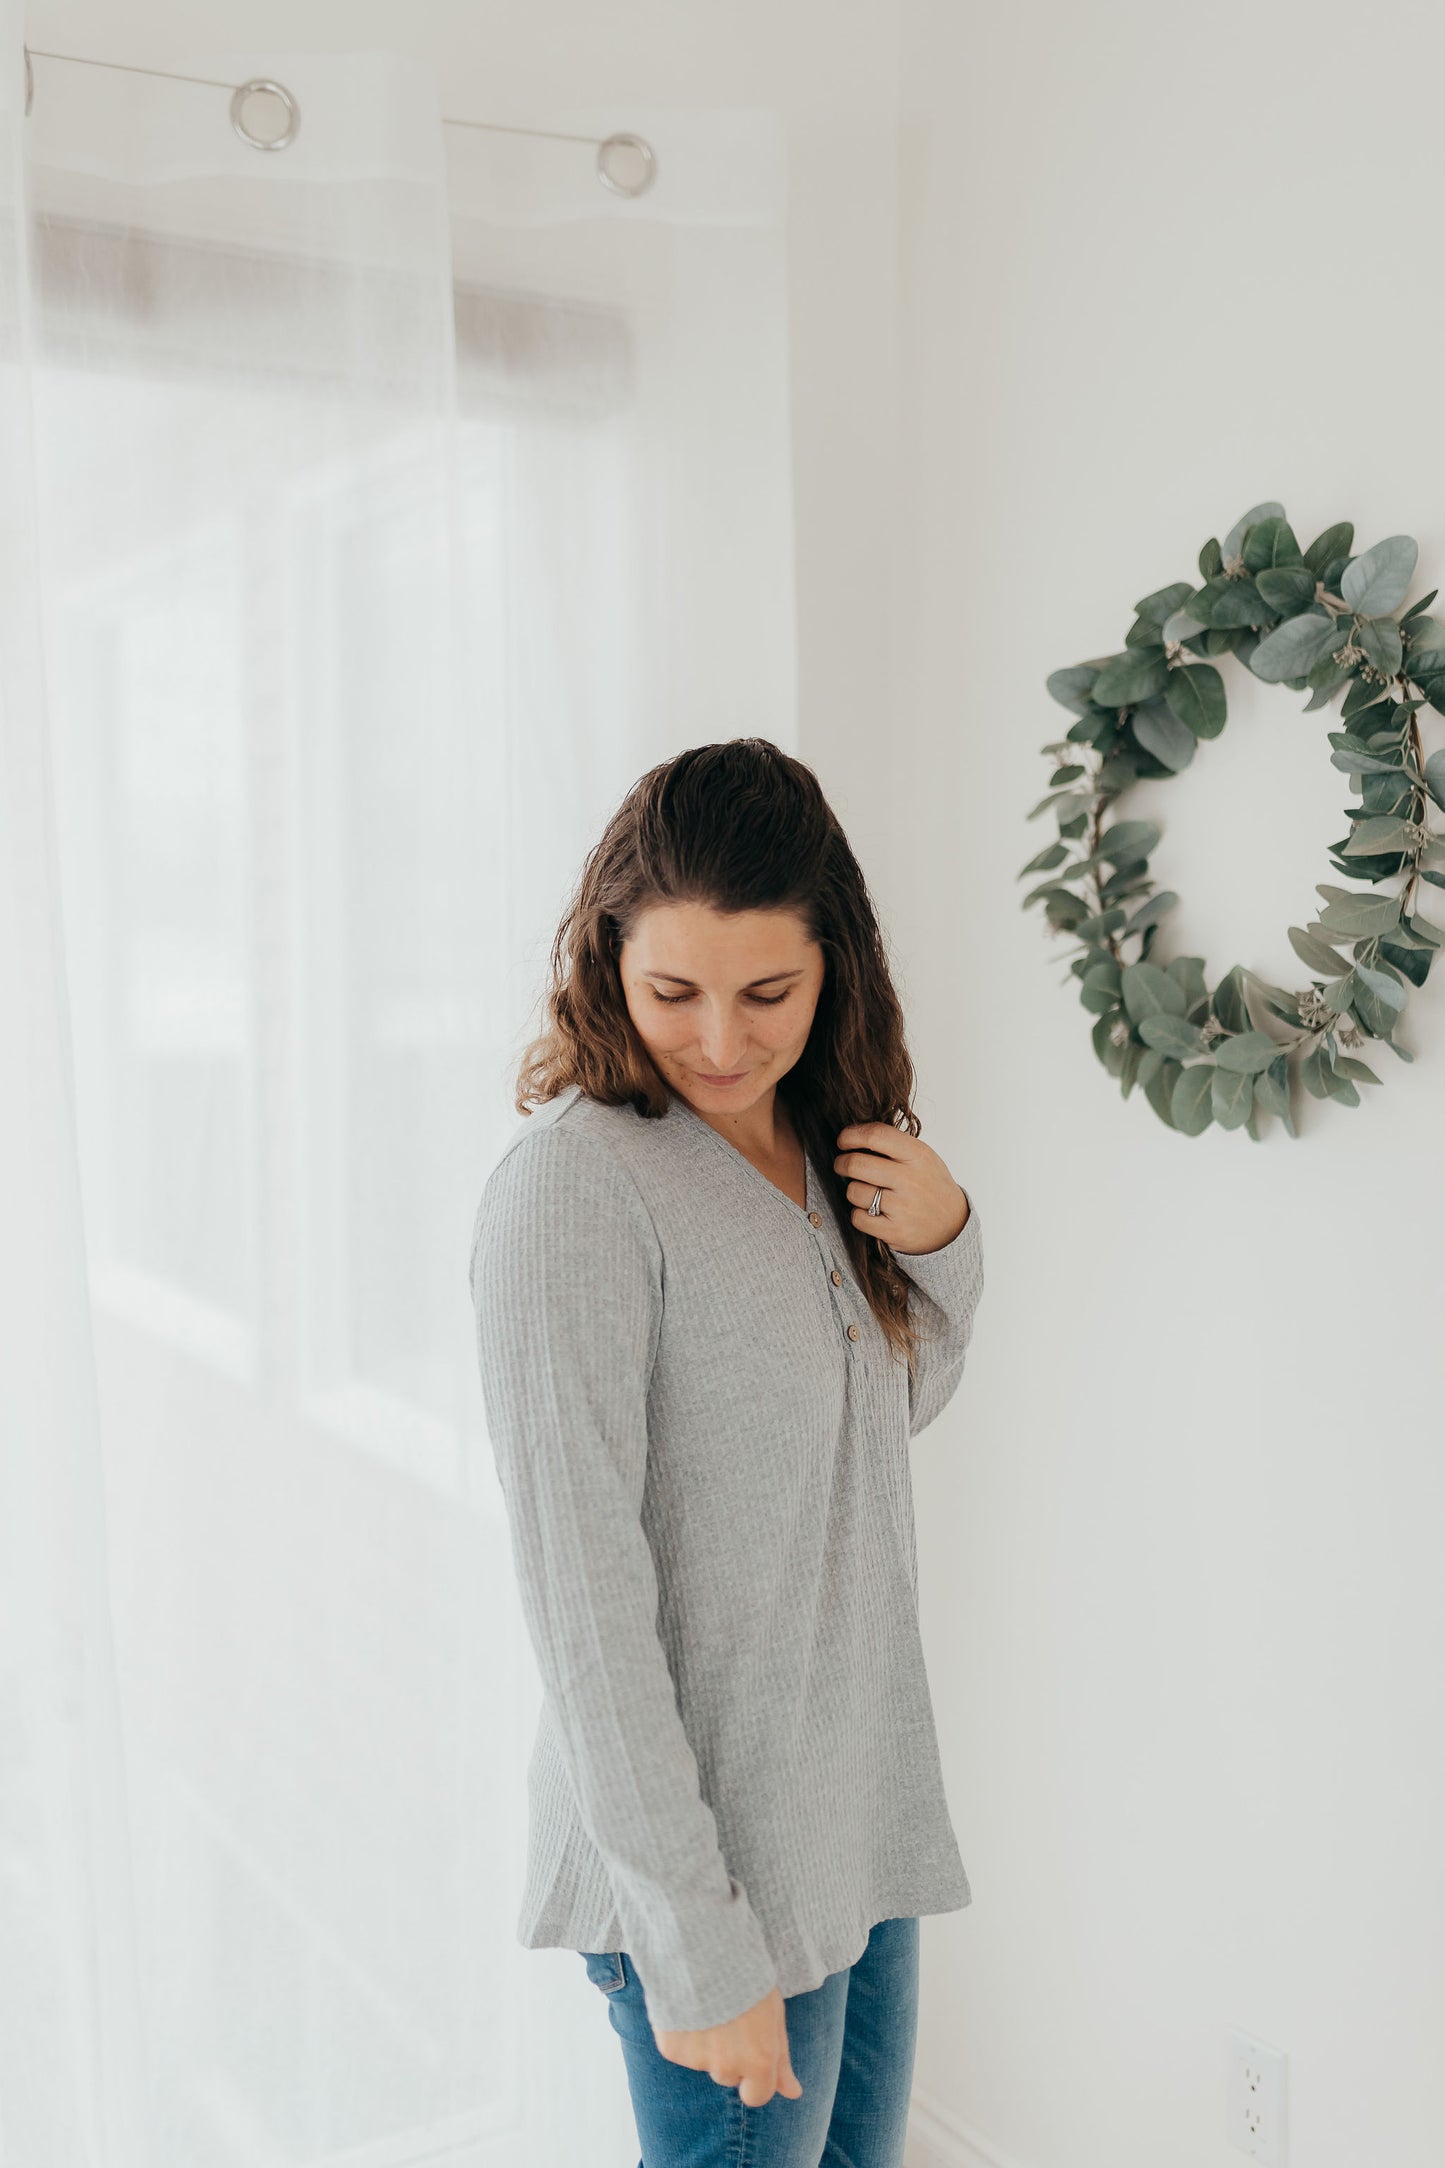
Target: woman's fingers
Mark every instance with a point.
(920, 1197)
(878, 1140)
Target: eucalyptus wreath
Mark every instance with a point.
(1318, 620)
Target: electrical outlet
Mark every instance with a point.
(1256, 2099)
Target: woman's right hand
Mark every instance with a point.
(750, 2051)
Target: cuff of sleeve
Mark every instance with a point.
(953, 1275)
(703, 1969)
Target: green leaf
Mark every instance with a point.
(1231, 1097)
(1191, 1104)
(1157, 608)
(1152, 910)
(1365, 749)
(1182, 625)
(1136, 675)
(1384, 986)
(1286, 588)
(1360, 916)
(1352, 763)
(1240, 605)
(1096, 726)
(1161, 733)
(1099, 1034)
(1044, 889)
(1271, 542)
(1375, 583)
(1336, 541)
(1128, 839)
(1337, 1086)
(1228, 1002)
(1148, 991)
(1293, 648)
(1195, 694)
(1423, 636)
(1061, 800)
(1159, 1088)
(1325, 679)
(1062, 908)
(1053, 854)
(1200, 606)
(1271, 1090)
(1234, 540)
(1211, 558)
(1372, 836)
(1316, 955)
(1248, 1053)
(1417, 609)
(1225, 605)
(1380, 639)
(1361, 695)
(1346, 1065)
(1189, 971)
(1311, 1071)
(1435, 777)
(1071, 687)
(1099, 989)
(1172, 1035)
(1093, 927)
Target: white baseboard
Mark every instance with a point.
(937, 2138)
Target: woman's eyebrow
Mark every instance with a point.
(768, 981)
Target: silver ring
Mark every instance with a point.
(640, 181)
(875, 1210)
(263, 83)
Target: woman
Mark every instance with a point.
(719, 1283)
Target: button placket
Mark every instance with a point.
(851, 1332)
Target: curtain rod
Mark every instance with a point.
(625, 163)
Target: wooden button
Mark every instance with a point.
(852, 1332)
(816, 1218)
(836, 1278)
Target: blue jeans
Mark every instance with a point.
(851, 2045)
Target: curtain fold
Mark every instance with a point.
(372, 512)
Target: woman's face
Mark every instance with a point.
(723, 1002)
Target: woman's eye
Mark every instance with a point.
(766, 1001)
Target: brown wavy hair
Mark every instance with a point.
(744, 827)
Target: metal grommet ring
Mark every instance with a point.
(257, 85)
(625, 179)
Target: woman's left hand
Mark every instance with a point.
(921, 1208)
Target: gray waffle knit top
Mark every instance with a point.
(702, 1437)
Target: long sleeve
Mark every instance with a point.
(566, 1277)
(950, 1281)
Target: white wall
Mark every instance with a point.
(1181, 1531)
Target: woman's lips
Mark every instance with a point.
(736, 1078)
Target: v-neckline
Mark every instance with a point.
(810, 1181)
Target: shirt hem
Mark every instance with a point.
(791, 1980)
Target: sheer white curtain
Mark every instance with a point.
(372, 512)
